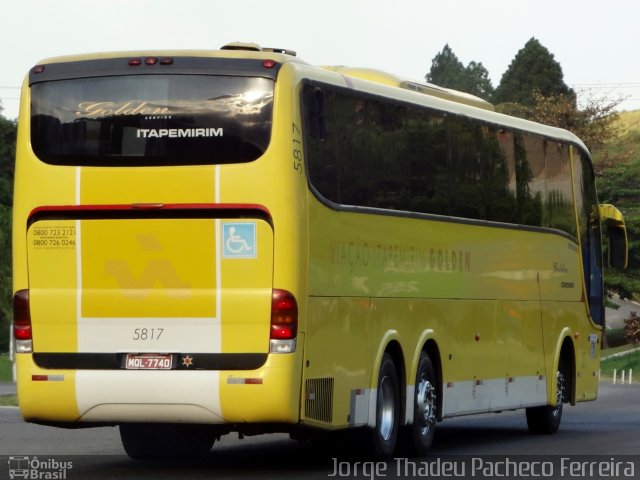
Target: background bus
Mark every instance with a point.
(207, 242)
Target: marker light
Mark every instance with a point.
(38, 69)
(268, 63)
(134, 62)
(151, 60)
(166, 61)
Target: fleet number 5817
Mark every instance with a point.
(147, 334)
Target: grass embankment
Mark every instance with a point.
(629, 361)
(6, 375)
(5, 368)
(8, 401)
(629, 120)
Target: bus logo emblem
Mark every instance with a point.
(19, 467)
(239, 240)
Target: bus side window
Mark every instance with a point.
(589, 232)
(316, 121)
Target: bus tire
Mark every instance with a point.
(145, 440)
(546, 419)
(384, 435)
(419, 435)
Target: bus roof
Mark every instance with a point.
(458, 103)
(230, 50)
(385, 78)
(362, 79)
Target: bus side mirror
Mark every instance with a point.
(616, 233)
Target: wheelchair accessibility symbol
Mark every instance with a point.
(239, 240)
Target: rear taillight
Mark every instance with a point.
(22, 322)
(284, 322)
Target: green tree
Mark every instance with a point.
(477, 81)
(534, 68)
(449, 72)
(8, 130)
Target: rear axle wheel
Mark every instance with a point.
(385, 433)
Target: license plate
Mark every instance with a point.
(145, 361)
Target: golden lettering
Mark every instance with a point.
(105, 109)
(356, 253)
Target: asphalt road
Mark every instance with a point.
(608, 428)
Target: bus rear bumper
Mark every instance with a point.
(269, 394)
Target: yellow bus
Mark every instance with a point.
(236, 240)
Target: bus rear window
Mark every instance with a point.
(151, 120)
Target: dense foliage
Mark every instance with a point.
(594, 122)
(533, 69)
(448, 71)
(7, 154)
(632, 328)
(618, 175)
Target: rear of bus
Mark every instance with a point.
(151, 201)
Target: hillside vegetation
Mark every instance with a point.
(618, 176)
(629, 121)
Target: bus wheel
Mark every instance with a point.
(425, 401)
(385, 434)
(546, 419)
(152, 440)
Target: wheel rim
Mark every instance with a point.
(386, 408)
(425, 405)
(559, 394)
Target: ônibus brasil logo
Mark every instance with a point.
(36, 469)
